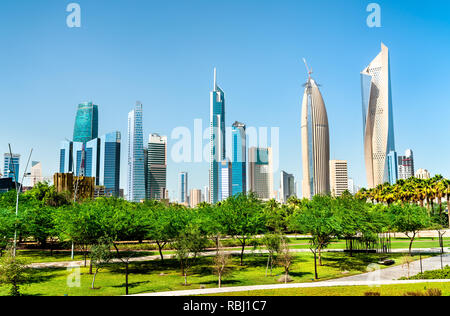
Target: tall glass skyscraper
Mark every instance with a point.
(11, 166)
(225, 180)
(110, 163)
(406, 165)
(157, 167)
(184, 186)
(315, 142)
(217, 138)
(66, 157)
(239, 162)
(261, 172)
(86, 123)
(136, 170)
(378, 120)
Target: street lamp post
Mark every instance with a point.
(18, 189)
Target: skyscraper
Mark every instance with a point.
(239, 162)
(225, 180)
(92, 160)
(157, 167)
(378, 120)
(184, 188)
(287, 186)
(11, 167)
(136, 172)
(217, 138)
(339, 181)
(86, 123)
(261, 172)
(195, 198)
(392, 166)
(315, 142)
(110, 163)
(66, 157)
(36, 172)
(406, 165)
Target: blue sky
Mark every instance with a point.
(162, 53)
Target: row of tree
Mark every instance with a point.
(46, 216)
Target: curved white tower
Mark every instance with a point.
(315, 142)
(378, 121)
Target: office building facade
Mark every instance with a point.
(136, 171)
(109, 174)
(406, 165)
(287, 186)
(315, 142)
(11, 167)
(225, 180)
(339, 182)
(378, 120)
(157, 167)
(239, 160)
(261, 172)
(217, 138)
(184, 187)
(86, 123)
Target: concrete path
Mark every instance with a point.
(378, 277)
(65, 264)
(285, 286)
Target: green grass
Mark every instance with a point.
(384, 290)
(155, 277)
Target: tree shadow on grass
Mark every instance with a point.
(358, 262)
(43, 275)
(131, 285)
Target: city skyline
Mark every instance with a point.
(274, 78)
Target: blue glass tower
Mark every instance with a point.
(11, 167)
(86, 123)
(136, 159)
(65, 157)
(239, 162)
(217, 138)
(110, 163)
(184, 188)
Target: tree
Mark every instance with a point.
(318, 219)
(188, 245)
(285, 259)
(100, 256)
(7, 220)
(272, 242)
(221, 262)
(409, 219)
(243, 218)
(13, 273)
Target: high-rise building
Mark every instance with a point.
(261, 172)
(378, 120)
(287, 186)
(406, 165)
(315, 142)
(11, 167)
(195, 198)
(392, 165)
(92, 160)
(157, 167)
(36, 173)
(136, 173)
(66, 157)
(239, 162)
(86, 123)
(184, 187)
(225, 180)
(423, 174)
(206, 195)
(110, 146)
(338, 177)
(217, 138)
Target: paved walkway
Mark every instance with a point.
(286, 286)
(65, 264)
(378, 277)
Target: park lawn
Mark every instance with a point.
(384, 290)
(156, 277)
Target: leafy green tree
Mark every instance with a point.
(272, 242)
(7, 220)
(409, 219)
(243, 218)
(188, 245)
(100, 256)
(318, 219)
(13, 273)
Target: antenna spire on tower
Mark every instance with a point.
(307, 69)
